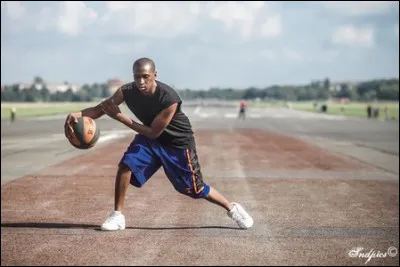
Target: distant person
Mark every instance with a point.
(13, 114)
(242, 110)
(376, 112)
(164, 139)
(385, 111)
(369, 111)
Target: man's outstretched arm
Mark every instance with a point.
(94, 112)
(156, 128)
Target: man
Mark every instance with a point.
(164, 139)
(13, 113)
(369, 111)
(242, 109)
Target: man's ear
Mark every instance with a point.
(155, 74)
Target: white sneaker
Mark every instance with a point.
(240, 216)
(116, 221)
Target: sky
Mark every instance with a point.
(199, 45)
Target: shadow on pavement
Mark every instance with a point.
(97, 227)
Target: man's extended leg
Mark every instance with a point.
(215, 197)
(183, 170)
(121, 185)
(235, 210)
(116, 220)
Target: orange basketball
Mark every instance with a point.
(86, 133)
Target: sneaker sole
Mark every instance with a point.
(119, 228)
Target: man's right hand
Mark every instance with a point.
(71, 118)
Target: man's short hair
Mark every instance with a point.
(143, 62)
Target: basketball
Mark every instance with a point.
(86, 133)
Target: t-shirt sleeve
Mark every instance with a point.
(169, 99)
(125, 88)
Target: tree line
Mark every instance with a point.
(379, 89)
(86, 93)
(382, 89)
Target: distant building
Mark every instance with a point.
(62, 87)
(337, 86)
(52, 87)
(22, 86)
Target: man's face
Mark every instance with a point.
(144, 78)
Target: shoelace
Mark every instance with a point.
(238, 215)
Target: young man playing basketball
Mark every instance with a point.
(164, 139)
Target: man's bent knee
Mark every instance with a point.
(123, 168)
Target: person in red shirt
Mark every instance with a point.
(242, 109)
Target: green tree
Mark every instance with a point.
(327, 84)
(45, 94)
(38, 80)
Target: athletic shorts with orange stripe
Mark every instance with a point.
(145, 156)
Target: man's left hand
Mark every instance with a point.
(109, 108)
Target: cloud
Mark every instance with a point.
(249, 18)
(291, 54)
(359, 8)
(272, 27)
(70, 18)
(172, 19)
(235, 16)
(166, 20)
(14, 9)
(150, 19)
(43, 20)
(352, 36)
(283, 53)
(268, 54)
(200, 44)
(126, 48)
(74, 16)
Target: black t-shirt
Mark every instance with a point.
(179, 132)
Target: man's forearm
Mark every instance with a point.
(93, 112)
(137, 127)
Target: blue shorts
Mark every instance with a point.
(145, 156)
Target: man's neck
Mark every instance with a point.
(153, 88)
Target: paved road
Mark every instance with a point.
(328, 200)
(373, 141)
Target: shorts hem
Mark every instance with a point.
(134, 181)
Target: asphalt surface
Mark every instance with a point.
(321, 189)
(375, 142)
